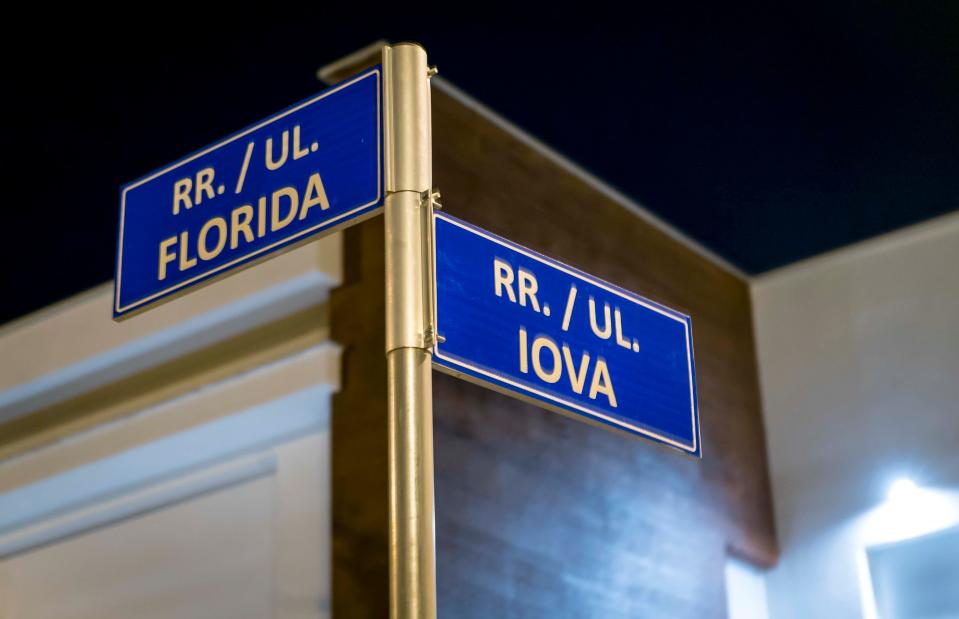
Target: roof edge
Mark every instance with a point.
(899, 237)
(328, 72)
(588, 177)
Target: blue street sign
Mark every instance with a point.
(533, 327)
(307, 170)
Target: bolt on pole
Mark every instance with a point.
(409, 330)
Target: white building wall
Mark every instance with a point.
(178, 463)
(859, 362)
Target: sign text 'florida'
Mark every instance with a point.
(304, 171)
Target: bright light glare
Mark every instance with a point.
(909, 511)
(902, 489)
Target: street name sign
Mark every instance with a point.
(307, 170)
(519, 322)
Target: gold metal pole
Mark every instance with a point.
(409, 331)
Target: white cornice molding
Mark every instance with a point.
(75, 347)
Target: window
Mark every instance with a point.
(917, 578)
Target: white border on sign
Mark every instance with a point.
(596, 282)
(379, 192)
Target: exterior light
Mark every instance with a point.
(901, 490)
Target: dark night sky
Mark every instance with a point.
(769, 134)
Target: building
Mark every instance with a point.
(227, 451)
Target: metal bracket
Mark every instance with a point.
(434, 198)
(430, 200)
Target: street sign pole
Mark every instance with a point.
(409, 331)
